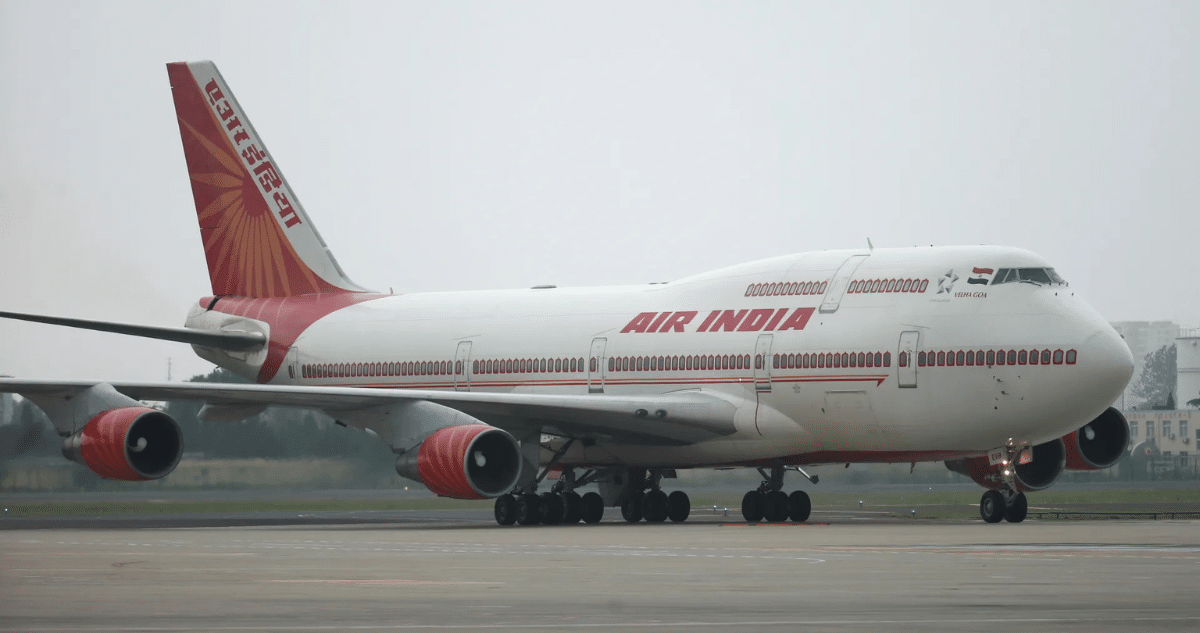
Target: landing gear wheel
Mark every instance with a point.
(1016, 511)
(572, 502)
(506, 510)
(631, 508)
(654, 506)
(752, 506)
(679, 506)
(591, 507)
(529, 509)
(775, 508)
(799, 506)
(991, 506)
(552, 508)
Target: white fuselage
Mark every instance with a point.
(831, 386)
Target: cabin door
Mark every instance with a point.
(595, 366)
(462, 366)
(906, 360)
(762, 364)
(839, 283)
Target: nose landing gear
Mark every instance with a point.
(1008, 503)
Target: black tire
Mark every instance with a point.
(1016, 511)
(799, 506)
(991, 506)
(529, 509)
(654, 506)
(591, 507)
(572, 502)
(679, 506)
(506, 510)
(752, 506)
(552, 508)
(631, 508)
(775, 506)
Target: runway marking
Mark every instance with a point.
(384, 582)
(290, 626)
(779, 524)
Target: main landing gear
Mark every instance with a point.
(769, 502)
(549, 508)
(1008, 503)
(562, 505)
(654, 505)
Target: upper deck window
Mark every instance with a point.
(1038, 276)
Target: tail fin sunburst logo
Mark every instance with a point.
(257, 239)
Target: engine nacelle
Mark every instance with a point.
(1049, 460)
(466, 461)
(1099, 444)
(129, 444)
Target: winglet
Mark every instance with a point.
(258, 240)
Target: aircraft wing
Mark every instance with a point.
(682, 417)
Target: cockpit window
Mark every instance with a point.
(1039, 276)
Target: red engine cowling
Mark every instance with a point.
(467, 461)
(130, 444)
(1049, 459)
(1099, 443)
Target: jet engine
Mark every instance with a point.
(129, 443)
(1049, 460)
(1099, 443)
(465, 461)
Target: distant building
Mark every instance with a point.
(1163, 443)
(1187, 347)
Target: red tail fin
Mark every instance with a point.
(258, 240)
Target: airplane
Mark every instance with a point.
(979, 356)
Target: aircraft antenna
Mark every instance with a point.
(870, 245)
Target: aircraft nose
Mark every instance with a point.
(1109, 366)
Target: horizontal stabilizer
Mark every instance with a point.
(230, 341)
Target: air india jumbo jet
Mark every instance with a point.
(978, 356)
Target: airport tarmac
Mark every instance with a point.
(447, 570)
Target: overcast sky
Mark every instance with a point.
(463, 145)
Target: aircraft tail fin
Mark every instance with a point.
(258, 240)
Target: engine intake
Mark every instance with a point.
(1099, 443)
(1049, 459)
(129, 444)
(466, 461)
